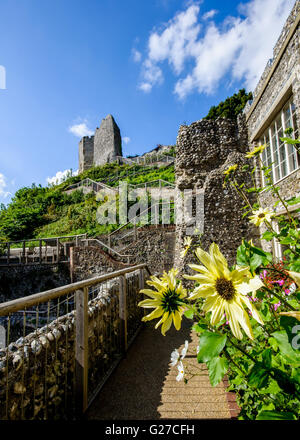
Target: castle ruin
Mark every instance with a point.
(101, 148)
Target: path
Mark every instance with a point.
(144, 386)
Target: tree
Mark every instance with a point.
(231, 107)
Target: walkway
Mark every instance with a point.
(144, 386)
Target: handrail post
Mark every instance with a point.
(8, 252)
(57, 249)
(40, 251)
(123, 313)
(81, 351)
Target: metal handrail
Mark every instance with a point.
(152, 181)
(108, 247)
(37, 298)
(43, 239)
(138, 215)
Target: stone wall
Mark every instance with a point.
(107, 142)
(19, 281)
(86, 153)
(204, 150)
(154, 246)
(90, 261)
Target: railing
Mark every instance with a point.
(148, 159)
(108, 248)
(61, 345)
(158, 183)
(38, 250)
(154, 209)
(97, 186)
(91, 184)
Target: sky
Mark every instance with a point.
(153, 64)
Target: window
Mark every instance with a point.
(281, 158)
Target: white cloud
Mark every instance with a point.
(60, 176)
(126, 139)
(209, 14)
(3, 185)
(239, 46)
(137, 56)
(146, 87)
(80, 130)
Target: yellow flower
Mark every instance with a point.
(167, 300)
(294, 314)
(256, 151)
(295, 276)
(230, 170)
(261, 215)
(225, 291)
(187, 242)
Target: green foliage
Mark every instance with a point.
(231, 107)
(48, 211)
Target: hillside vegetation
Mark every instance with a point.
(38, 211)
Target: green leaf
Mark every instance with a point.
(268, 407)
(293, 201)
(210, 346)
(258, 376)
(286, 349)
(268, 235)
(217, 367)
(275, 415)
(189, 314)
(199, 328)
(273, 388)
(267, 357)
(255, 262)
(241, 256)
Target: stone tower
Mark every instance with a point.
(107, 142)
(205, 149)
(86, 153)
(101, 148)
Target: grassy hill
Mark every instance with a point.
(38, 211)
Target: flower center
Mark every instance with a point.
(170, 301)
(225, 288)
(261, 216)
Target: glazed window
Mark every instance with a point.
(282, 158)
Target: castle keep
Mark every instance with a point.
(101, 148)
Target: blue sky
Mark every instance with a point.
(152, 64)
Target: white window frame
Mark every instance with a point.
(268, 137)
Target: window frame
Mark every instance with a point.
(272, 155)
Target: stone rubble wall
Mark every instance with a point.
(204, 150)
(154, 246)
(21, 280)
